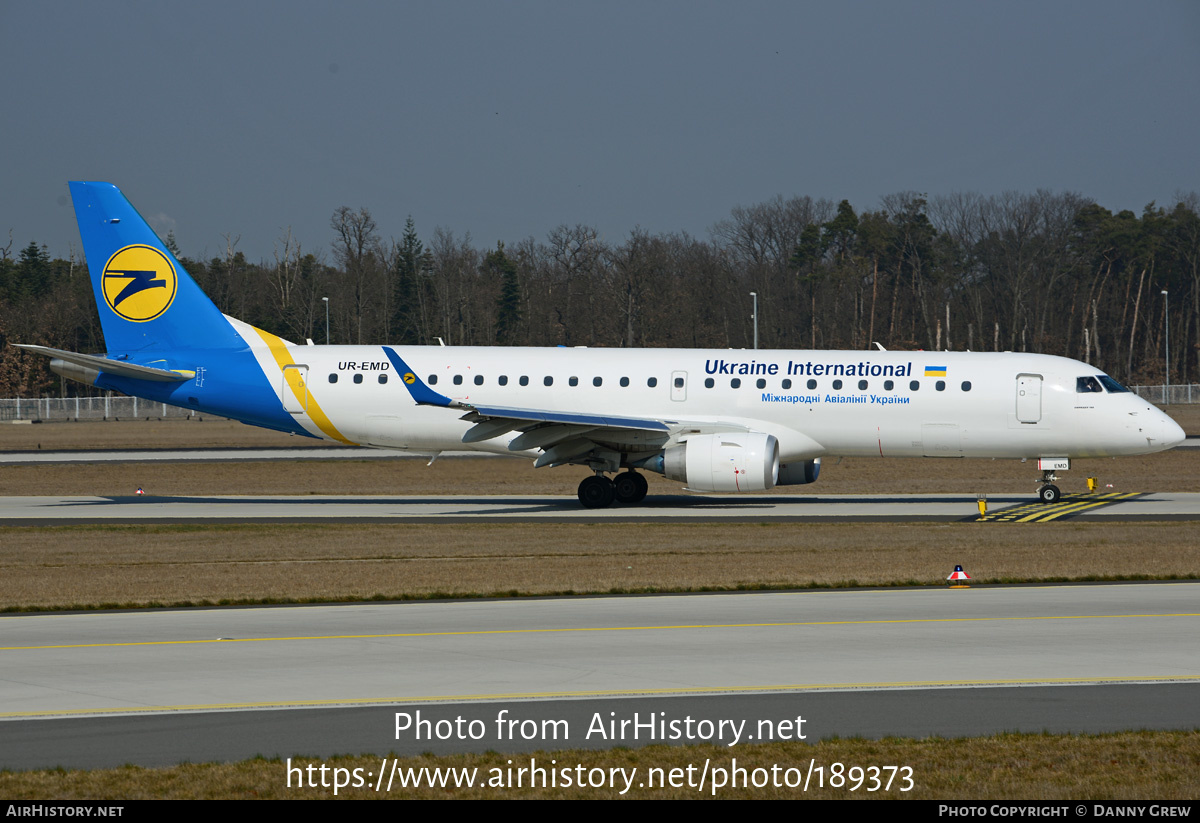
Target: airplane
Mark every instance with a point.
(722, 420)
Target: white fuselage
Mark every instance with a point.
(888, 404)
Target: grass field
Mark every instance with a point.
(110, 566)
(1158, 766)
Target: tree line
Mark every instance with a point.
(1048, 272)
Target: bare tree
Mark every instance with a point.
(357, 249)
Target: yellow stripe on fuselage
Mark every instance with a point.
(283, 359)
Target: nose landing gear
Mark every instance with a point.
(1049, 493)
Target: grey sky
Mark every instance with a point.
(507, 119)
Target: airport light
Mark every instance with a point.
(326, 301)
(754, 317)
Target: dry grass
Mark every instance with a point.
(177, 433)
(1162, 766)
(94, 566)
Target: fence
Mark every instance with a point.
(88, 408)
(1169, 395)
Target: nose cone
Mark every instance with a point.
(1171, 433)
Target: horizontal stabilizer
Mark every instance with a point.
(103, 364)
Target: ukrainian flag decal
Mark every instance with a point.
(935, 371)
(139, 283)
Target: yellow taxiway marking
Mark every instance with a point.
(695, 626)
(464, 698)
(1042, 513)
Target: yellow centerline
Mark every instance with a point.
(696, 626)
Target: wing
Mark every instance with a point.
(563, 437)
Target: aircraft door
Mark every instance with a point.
(295, 389)
(679, 385)
(1029, 398)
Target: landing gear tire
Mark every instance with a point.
(630, 487)
(1050, 493)
(596, 492)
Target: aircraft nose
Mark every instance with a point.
(1172, 433)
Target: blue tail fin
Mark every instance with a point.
(145, 298)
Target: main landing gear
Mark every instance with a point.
(598, 492)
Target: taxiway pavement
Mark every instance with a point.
(548, 509)
(999, 657)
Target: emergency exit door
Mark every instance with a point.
(295, 389)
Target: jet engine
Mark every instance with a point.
(726, 462)
(799, 473)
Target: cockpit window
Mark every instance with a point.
(1112, 385)
(1083, 385)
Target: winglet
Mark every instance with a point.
(422, 394)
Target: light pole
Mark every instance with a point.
(754, 317)
(1166, 347)
(326, 301)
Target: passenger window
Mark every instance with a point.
(762, 384)
(678, 382)
(502, 380)
(914, 385)
(548, 380)
(708, 382)
(597, 381)
(572, 381)
(735, 383)
(431, 381)
(333, 378)
(382, 379)
(812, 384)
(966, 386)
(479, 380)
(524, 381)
(358, 378)
(458, 379)
(888, 385)
(652, 382)
(624, 382)
(1083, 385)
(837, 384)
(862, 385)
(787, 384)
(940, 385)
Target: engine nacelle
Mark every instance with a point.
(728, 462)
(799, 473)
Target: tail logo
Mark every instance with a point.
(139, 283)
(410, 378)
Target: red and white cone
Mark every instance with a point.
(958, 577)
(139, 491)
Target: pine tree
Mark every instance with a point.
(411, 262)
(508, 305)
